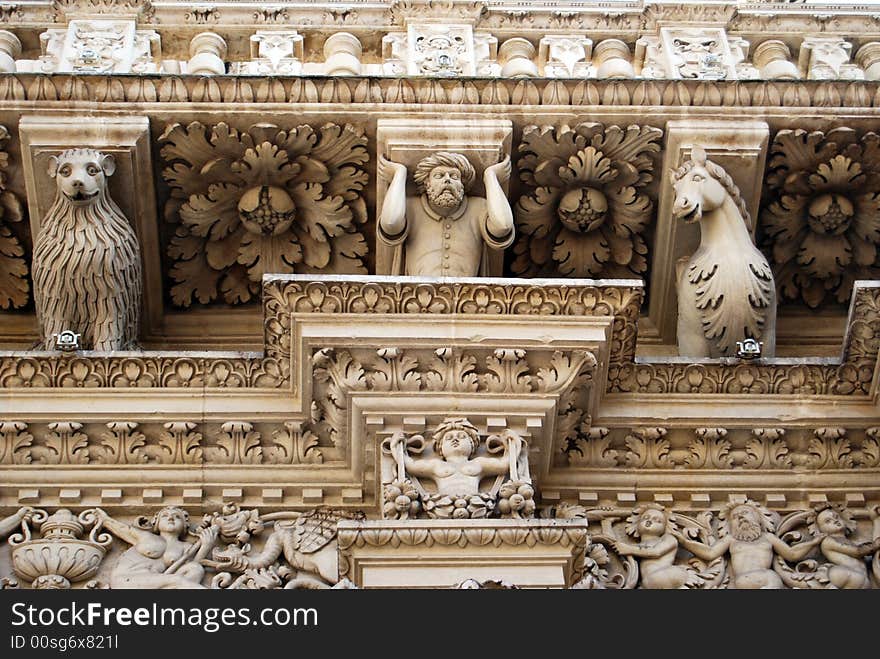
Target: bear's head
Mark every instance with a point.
(81, 174)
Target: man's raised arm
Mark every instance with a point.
(392, 220)
(500, 222)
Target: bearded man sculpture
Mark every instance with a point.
(87, 264)
(443, 232)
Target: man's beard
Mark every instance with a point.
(746, 531)
(444, 197)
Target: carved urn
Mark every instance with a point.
(60, 557)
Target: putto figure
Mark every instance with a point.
(87, 264)
(726, 292)
(443, 232)
(457, 466)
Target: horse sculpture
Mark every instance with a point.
(726, 292)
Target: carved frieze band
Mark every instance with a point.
(170, 443)
(739, 544)
(722, 448)
(246, 90)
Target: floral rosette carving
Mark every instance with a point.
(261, 201)
(400, 500)
(465, 506)
(14, 287)
(823, 222)
(587, 212)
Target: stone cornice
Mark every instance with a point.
(361, 16)
(147, 91)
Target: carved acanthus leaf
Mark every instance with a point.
(507, 372)
(767, 449)
(294, 445)
(830, 449)
(237, 443)
(15, 442)
(178, 444)
(394, 371)
(122, 444)
(14, 287)
(262, 200)
(647, 449)
(592, 448)
(871, 448)
(710, 450)
(63, 445)
(452, 371)
(586, 213)
(338, 373)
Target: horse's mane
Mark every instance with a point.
(720, 175)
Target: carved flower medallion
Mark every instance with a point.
(587, 212)
(261, 201)
(823, 223)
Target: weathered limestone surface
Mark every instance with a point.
(439, 294)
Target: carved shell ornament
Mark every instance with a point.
(586, 212)
(261, 201)
(823, 224)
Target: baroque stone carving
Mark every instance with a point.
(822, 223)
(14, 287)
(100, 46)
(471, 478)
(747, 535)
(841, 563)
(586, 212)
(307, 542)
(262, 200)
(98, 297)
(655, 530)
(444, 231)
(159, 556)
(725, 290)
(338, 372)
(60, 556)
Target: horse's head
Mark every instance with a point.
(697, 188)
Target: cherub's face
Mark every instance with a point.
(81, 175)
(456, 443)
(828, 521)
(652, 523)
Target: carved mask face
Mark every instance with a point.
(444, 187)
(80, 174)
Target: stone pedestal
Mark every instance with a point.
(433, 553)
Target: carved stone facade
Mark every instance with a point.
(439, 294)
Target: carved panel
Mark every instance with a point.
(586, 212)
(262, 200)
(822, 220)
